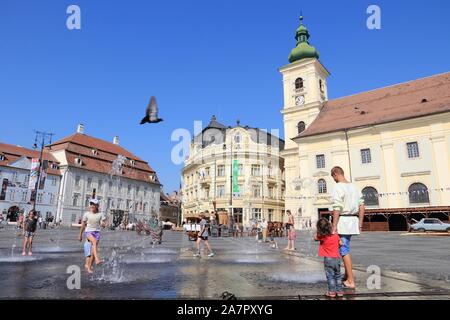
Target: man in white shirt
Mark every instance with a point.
(348, 217)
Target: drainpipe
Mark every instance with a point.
(348, 155)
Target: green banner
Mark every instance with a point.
(235, 177)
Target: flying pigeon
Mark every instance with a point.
(151, 114)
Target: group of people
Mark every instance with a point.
(334, 236)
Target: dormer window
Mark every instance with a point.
(78, 161)
(94, 152)
(55, 166)
(298, 84)
(2, 157)
(132, 162)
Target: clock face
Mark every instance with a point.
(299, 100)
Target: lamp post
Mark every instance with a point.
(43, 136)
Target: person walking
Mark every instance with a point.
(348, 217)
(290, 221)
(29, 231)
(40, 222)
(203, 236)
(329, 250)
(264, 226)
(92, 222)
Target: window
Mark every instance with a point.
(145, 206)
(14, 177)
(237, 138)
(110, 185)
(271, 192)
(370, 196)
(270, 171)
(75, 198)
(53, 182)
(100, 185)
(52, 198)
(129, 205)
(207, 172)
(77, 181)
(2, 157)
(256, 170)
(221, 170)
(321, 85)
(240, 169)
(86, 200)
(129, 189)
(413, 150)
(220, 191)
(256, 213)
(94, 152)
(322, 186)
(89, 183)
(301, 126)
(39, 197)
(270, 213)
(12, 195)
(137, 190)
(27, 179)
(418, 193)
(145, 192)
(55, 166)
(320, 161)
(366, 157)
(298, 84)
(256, 191)
(24, 196)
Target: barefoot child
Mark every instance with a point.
(291, 238)
(92, 222)
(329, 250)
(29, 231)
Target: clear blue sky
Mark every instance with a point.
(198, 58)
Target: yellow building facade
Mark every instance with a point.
(208, 177)
(394, 142)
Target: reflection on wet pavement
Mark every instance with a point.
(133, 269)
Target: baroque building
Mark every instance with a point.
(393, 142)
(237, 170)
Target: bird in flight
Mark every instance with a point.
(151, 114)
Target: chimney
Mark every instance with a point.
(116, 140)
(80, 128)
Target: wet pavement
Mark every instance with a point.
(411, 267)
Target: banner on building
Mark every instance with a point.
(4, 188)
(43, 175)
(34, 172)
(236, 191)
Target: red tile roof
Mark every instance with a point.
(12, 153)
(82, 146)
(408, 100)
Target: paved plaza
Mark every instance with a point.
(412, 266)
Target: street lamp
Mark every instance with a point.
(44, 136)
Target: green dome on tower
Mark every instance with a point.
(303, 50)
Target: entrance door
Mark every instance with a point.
(237, 214)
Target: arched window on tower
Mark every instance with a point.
(321, 85)
(370, 196)
(301, 126)
(298, 84)
(418, 193)
(322, 186)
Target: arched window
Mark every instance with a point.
(418, 193)
(298, 84)
(322, 186)
(237, 138)
(321, 85)
(370, 196)
(301, 126)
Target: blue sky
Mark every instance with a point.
(198, 58)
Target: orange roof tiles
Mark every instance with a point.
(407, 100)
